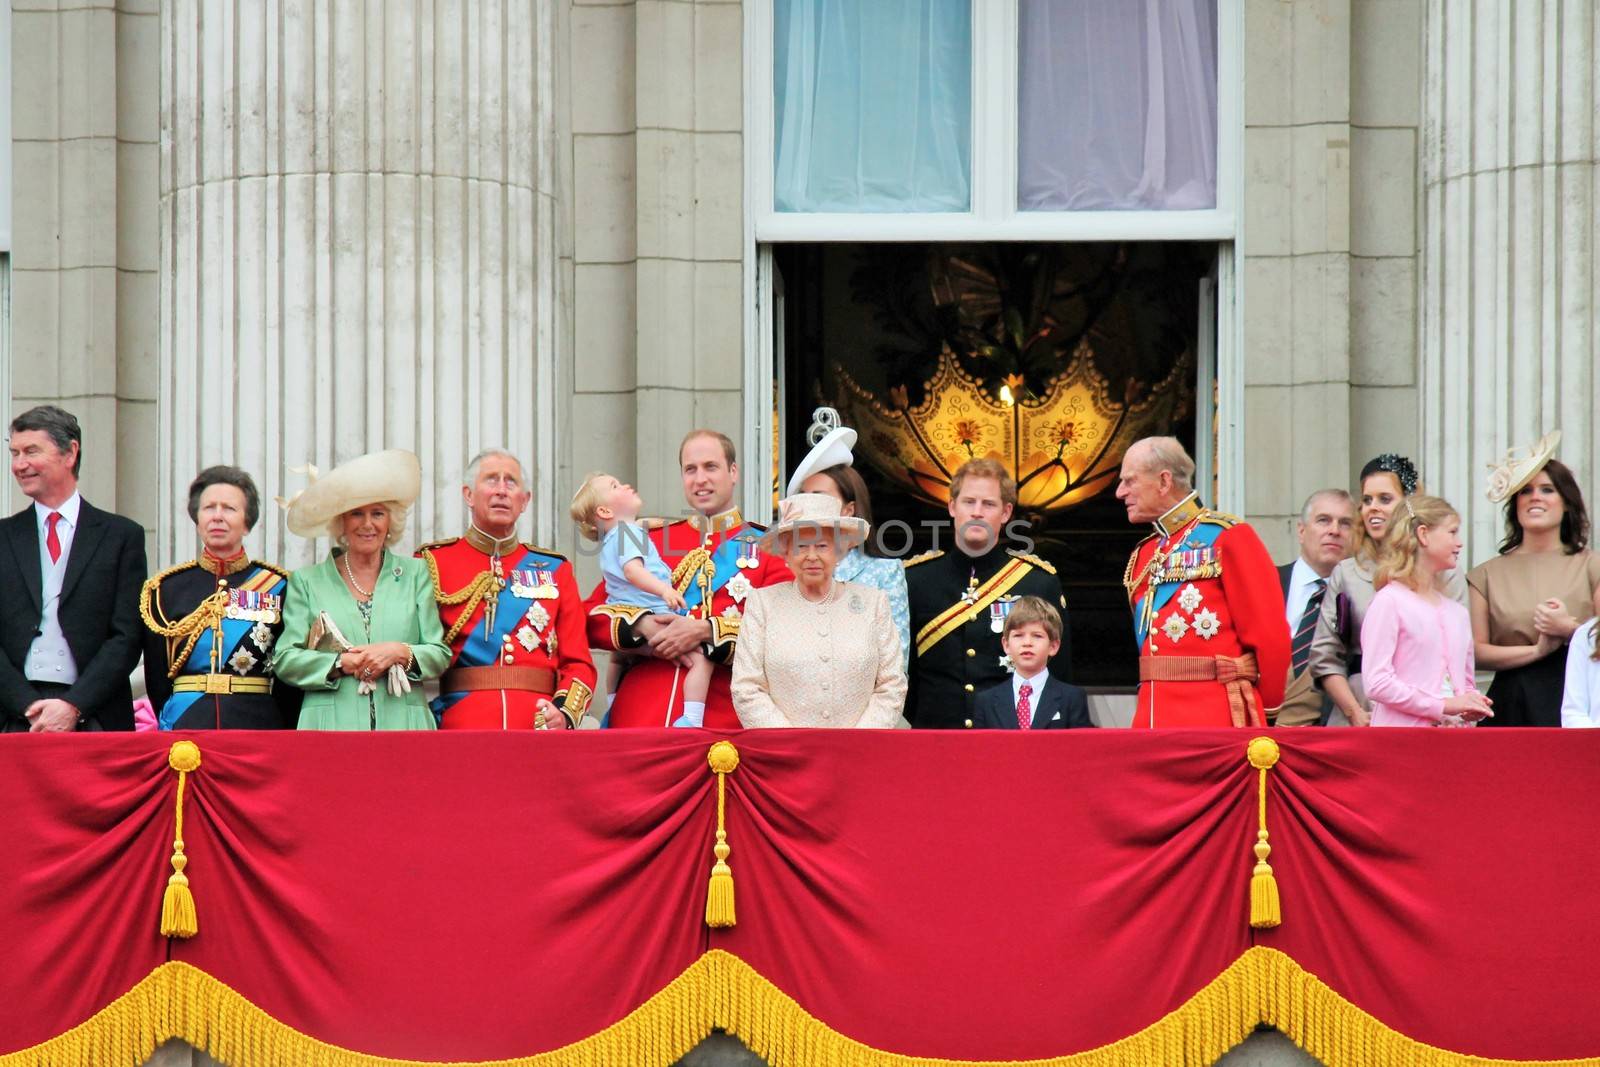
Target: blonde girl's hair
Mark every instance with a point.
(1397, 554)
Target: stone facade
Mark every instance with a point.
(1419, 212)
(1330, 246)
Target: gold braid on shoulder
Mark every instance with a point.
(690, 567)
(188, 629)
(471, 595)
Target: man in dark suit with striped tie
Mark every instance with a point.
(1326, 532)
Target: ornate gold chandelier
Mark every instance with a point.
(1063, 446)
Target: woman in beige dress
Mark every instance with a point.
(1527, 602)
(1335, 659)
(817, 651)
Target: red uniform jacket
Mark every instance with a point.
(1203, 585)
(728, 563)
(537, 621)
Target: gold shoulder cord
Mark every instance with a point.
(207, 616)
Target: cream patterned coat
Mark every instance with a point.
(800, 663)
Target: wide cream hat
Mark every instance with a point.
(815, 511)
(831, 446)
(376, 478)
(1520, 465)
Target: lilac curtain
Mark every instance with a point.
(1117, 106)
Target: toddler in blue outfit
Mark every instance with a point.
(606, 509)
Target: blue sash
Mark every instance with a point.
(725, 562)
(234, 631)
(1195, 550)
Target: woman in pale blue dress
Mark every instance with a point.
(827, 469)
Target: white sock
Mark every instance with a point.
(694, 711)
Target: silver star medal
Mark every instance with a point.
(1206, 623)
(1175, 627)
(1005, 661)
(527, 638)
(262, 635)
(241, 660)
(738, 587)
(551, 644)
(1190, 598)
(537, 617)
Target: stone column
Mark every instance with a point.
(1510, 292)
(357, 246)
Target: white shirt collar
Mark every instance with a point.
(69, 510)
(1302, 576)
(1037, 681)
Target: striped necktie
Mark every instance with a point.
(1300, 650)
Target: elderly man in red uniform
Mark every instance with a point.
(512, 614)
(1207, 604)
(716, 560)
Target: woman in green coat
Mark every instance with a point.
(361, 631)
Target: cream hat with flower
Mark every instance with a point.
(814, 511)
(376, 478)
(1520, 465)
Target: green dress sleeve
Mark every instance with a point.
(293, 662)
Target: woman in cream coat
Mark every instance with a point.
(381, 604)
(817, 651)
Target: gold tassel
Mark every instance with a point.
(1265, 910)
(177, 903)
(723, 758)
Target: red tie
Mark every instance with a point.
(51, 541)
(1024, 707)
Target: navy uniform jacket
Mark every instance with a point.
(958, 605)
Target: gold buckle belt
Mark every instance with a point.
(220, 684)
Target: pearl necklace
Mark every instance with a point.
(351, 574)
(826, 597)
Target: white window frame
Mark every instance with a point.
(994, 215)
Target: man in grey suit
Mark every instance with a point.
(69, 578)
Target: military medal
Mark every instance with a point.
(739, 587)
(1190, 598)
(537, 617)
(527, 638)
(748, 550)
(969, 596)
(1175, 627)
(261, 634)
(544, 584)
(1206, 623)
(998, 612)
(522, 585)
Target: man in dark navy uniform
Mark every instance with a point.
(960, 599)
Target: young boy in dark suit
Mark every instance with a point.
(1032, 699)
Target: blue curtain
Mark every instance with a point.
(873, 105)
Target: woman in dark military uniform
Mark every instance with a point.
(211, 623)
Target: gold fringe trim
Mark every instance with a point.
(177, 1001)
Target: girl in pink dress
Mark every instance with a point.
(1416, 642)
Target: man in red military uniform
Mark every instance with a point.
(716, 560)
(512, 614)
(1207, 603)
